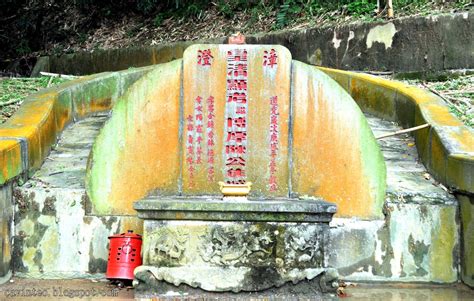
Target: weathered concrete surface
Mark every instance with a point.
(54, 235)
(359, 246)
(334, 153)
(243, 209)
(10, 159)
(467, 248)
(446, 148)
(420, 43)
(407, 44)
(419, 238)
(138, 149)
(6, 224)
(82, 63)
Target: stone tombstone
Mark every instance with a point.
(236, 108)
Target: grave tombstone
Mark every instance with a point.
(236, 103)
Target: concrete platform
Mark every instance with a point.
(419, 238)
(86, 289)
(417, 241)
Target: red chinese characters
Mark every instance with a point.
(190, 148)
(270, 58)
(236, 117)
(198, 123)
(199, 134)
(204, 57)
(210, 139)
(274, 139)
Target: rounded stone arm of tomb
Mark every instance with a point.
(27, 137)
(446, 147)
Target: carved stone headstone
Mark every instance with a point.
(236, 112)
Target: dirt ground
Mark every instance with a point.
(87, 289)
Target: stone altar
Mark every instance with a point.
(234, 245)
(236, 120)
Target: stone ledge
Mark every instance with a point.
(213, 209)
(216, 279)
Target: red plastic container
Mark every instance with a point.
(124, 255)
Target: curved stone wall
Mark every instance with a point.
(446, 147)
(29, 134)
(333, 153)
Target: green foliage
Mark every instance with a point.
(288, 10)
(23, 48)
(458, 92)
(14, 91)
(158, 20)
(28, 26)
(361, 7)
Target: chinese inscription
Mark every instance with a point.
(270, 58)
(210, 138)
(273, 143)
(205, 57)
(235, 143)
(236, 112)
(190, 147)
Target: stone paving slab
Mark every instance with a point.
(65, 167)
(407, 178)
(102, 290)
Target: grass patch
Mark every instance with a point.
(457, 92)
(13, 92)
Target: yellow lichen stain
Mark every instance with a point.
(34, 121)
(28, 255)
(464, 139)
(203, 82)
(10, 159)
(150, 157)
(179, 215)
(326, 152)
(31, 113)
(153, 56)
(50, 246)
(441, 115)
(93, 106)
(438, 157)
(369, 97)
(63, 117)
(131, 223)
(442, 247)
